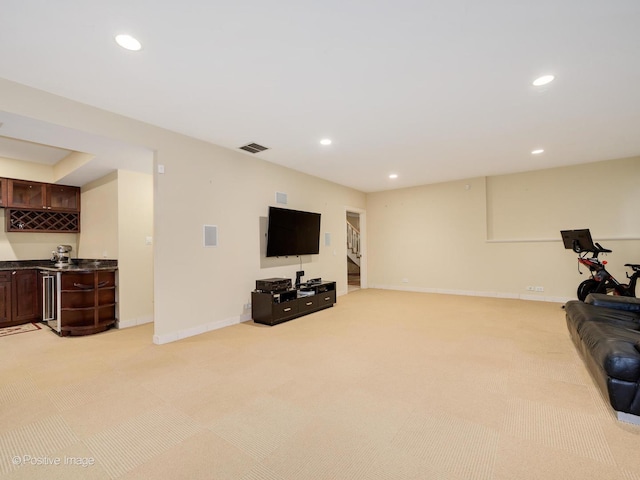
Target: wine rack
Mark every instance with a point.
(42, 221)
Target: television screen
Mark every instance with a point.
(292, 232)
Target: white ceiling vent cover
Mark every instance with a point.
(210, 235)
(281, 198)
(253, 148)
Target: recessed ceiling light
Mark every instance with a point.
(537, 151)
(543, 80)
(128, 42)
(393, 176)
(325, 141)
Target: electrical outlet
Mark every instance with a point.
(405, 280)
(247, 306)
(539, 289)
(530, 288)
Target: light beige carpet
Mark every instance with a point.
(385, 385)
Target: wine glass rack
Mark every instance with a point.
(42, 221)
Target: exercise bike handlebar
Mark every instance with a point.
(596, 250)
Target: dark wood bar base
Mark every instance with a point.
(88, 302)
(19, 297)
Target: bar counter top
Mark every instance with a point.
(77, 265)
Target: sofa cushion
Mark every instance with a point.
(629, 304)
(614, 348)
(579, 313)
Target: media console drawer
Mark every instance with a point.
(286, 309)
(269, 309)
(308, 304)
(327, 298)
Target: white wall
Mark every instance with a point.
(498, 235)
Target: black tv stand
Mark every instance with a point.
(272, 308)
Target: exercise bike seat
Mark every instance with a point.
(634, 266)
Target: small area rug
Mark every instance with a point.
(27, 327)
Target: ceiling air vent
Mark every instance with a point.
(254, 148)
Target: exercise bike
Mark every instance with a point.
(601, 280)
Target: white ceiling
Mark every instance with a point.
(432, 91)
(27, 139)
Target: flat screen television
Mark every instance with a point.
(292, 232)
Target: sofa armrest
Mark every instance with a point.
(629, 304)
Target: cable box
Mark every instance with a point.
(273, 285)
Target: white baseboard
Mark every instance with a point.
(135, 321)
(473, 293)
(197, 330)
(246, 316)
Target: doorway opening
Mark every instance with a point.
(354, 252)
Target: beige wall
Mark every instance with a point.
(99, 219)
(69, 164)
(602, 196)
(135, 248)
(22, 170)
(32, 246)
(434, 237)
(117, 218)
(198, 288)
(498, 235)
(22, 245)
(427, 237)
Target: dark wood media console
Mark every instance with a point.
(273, 308)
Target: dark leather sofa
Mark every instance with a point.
(606, 331)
